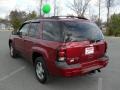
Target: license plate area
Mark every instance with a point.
(89, 50)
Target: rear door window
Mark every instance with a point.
(34, 28)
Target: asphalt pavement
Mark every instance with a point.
(18, 74)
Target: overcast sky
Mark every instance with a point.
(28, 5)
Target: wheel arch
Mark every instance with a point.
(10, 41)
(36, 54)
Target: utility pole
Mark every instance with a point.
(108, 9)
(41, 1)
(99, 12)
(55, 7)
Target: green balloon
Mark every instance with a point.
(46, 8)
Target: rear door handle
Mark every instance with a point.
(34, 43)
(24, 40)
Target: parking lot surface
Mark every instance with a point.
(18, 74)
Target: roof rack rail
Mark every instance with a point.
(58, 17)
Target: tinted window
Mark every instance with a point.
(33, 29)
(52, 31)
(77, 31)
(24, 29)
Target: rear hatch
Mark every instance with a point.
(84, 42)
(84, 51)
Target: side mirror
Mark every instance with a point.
(19, 34)
(14, 32)
(69, 34)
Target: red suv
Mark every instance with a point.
(57, 46)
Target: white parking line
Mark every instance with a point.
(12, 73)
(99, 83)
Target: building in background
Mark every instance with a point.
(2, 26)
(5, 26)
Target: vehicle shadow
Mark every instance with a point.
(75, 83)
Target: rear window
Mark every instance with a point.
(77, 31)
(66, 31)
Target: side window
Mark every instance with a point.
(34, 28)
(51, 31)
(24, 29)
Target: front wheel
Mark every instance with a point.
(12, 51)
(41, 70)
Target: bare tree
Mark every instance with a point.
(100, 5)
(110, 4)
(56, 7)
(79, 6)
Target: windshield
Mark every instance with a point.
(78, 31)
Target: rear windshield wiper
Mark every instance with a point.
(93, 41)
(75, 39)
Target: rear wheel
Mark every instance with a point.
(12, 51)
(41, 70)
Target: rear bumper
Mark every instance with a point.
(81, 69)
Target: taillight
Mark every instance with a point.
(61, 54)
(105, 46)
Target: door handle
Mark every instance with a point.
(34, 43)
(24, 40)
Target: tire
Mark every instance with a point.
(12, 51)
(41, 70)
